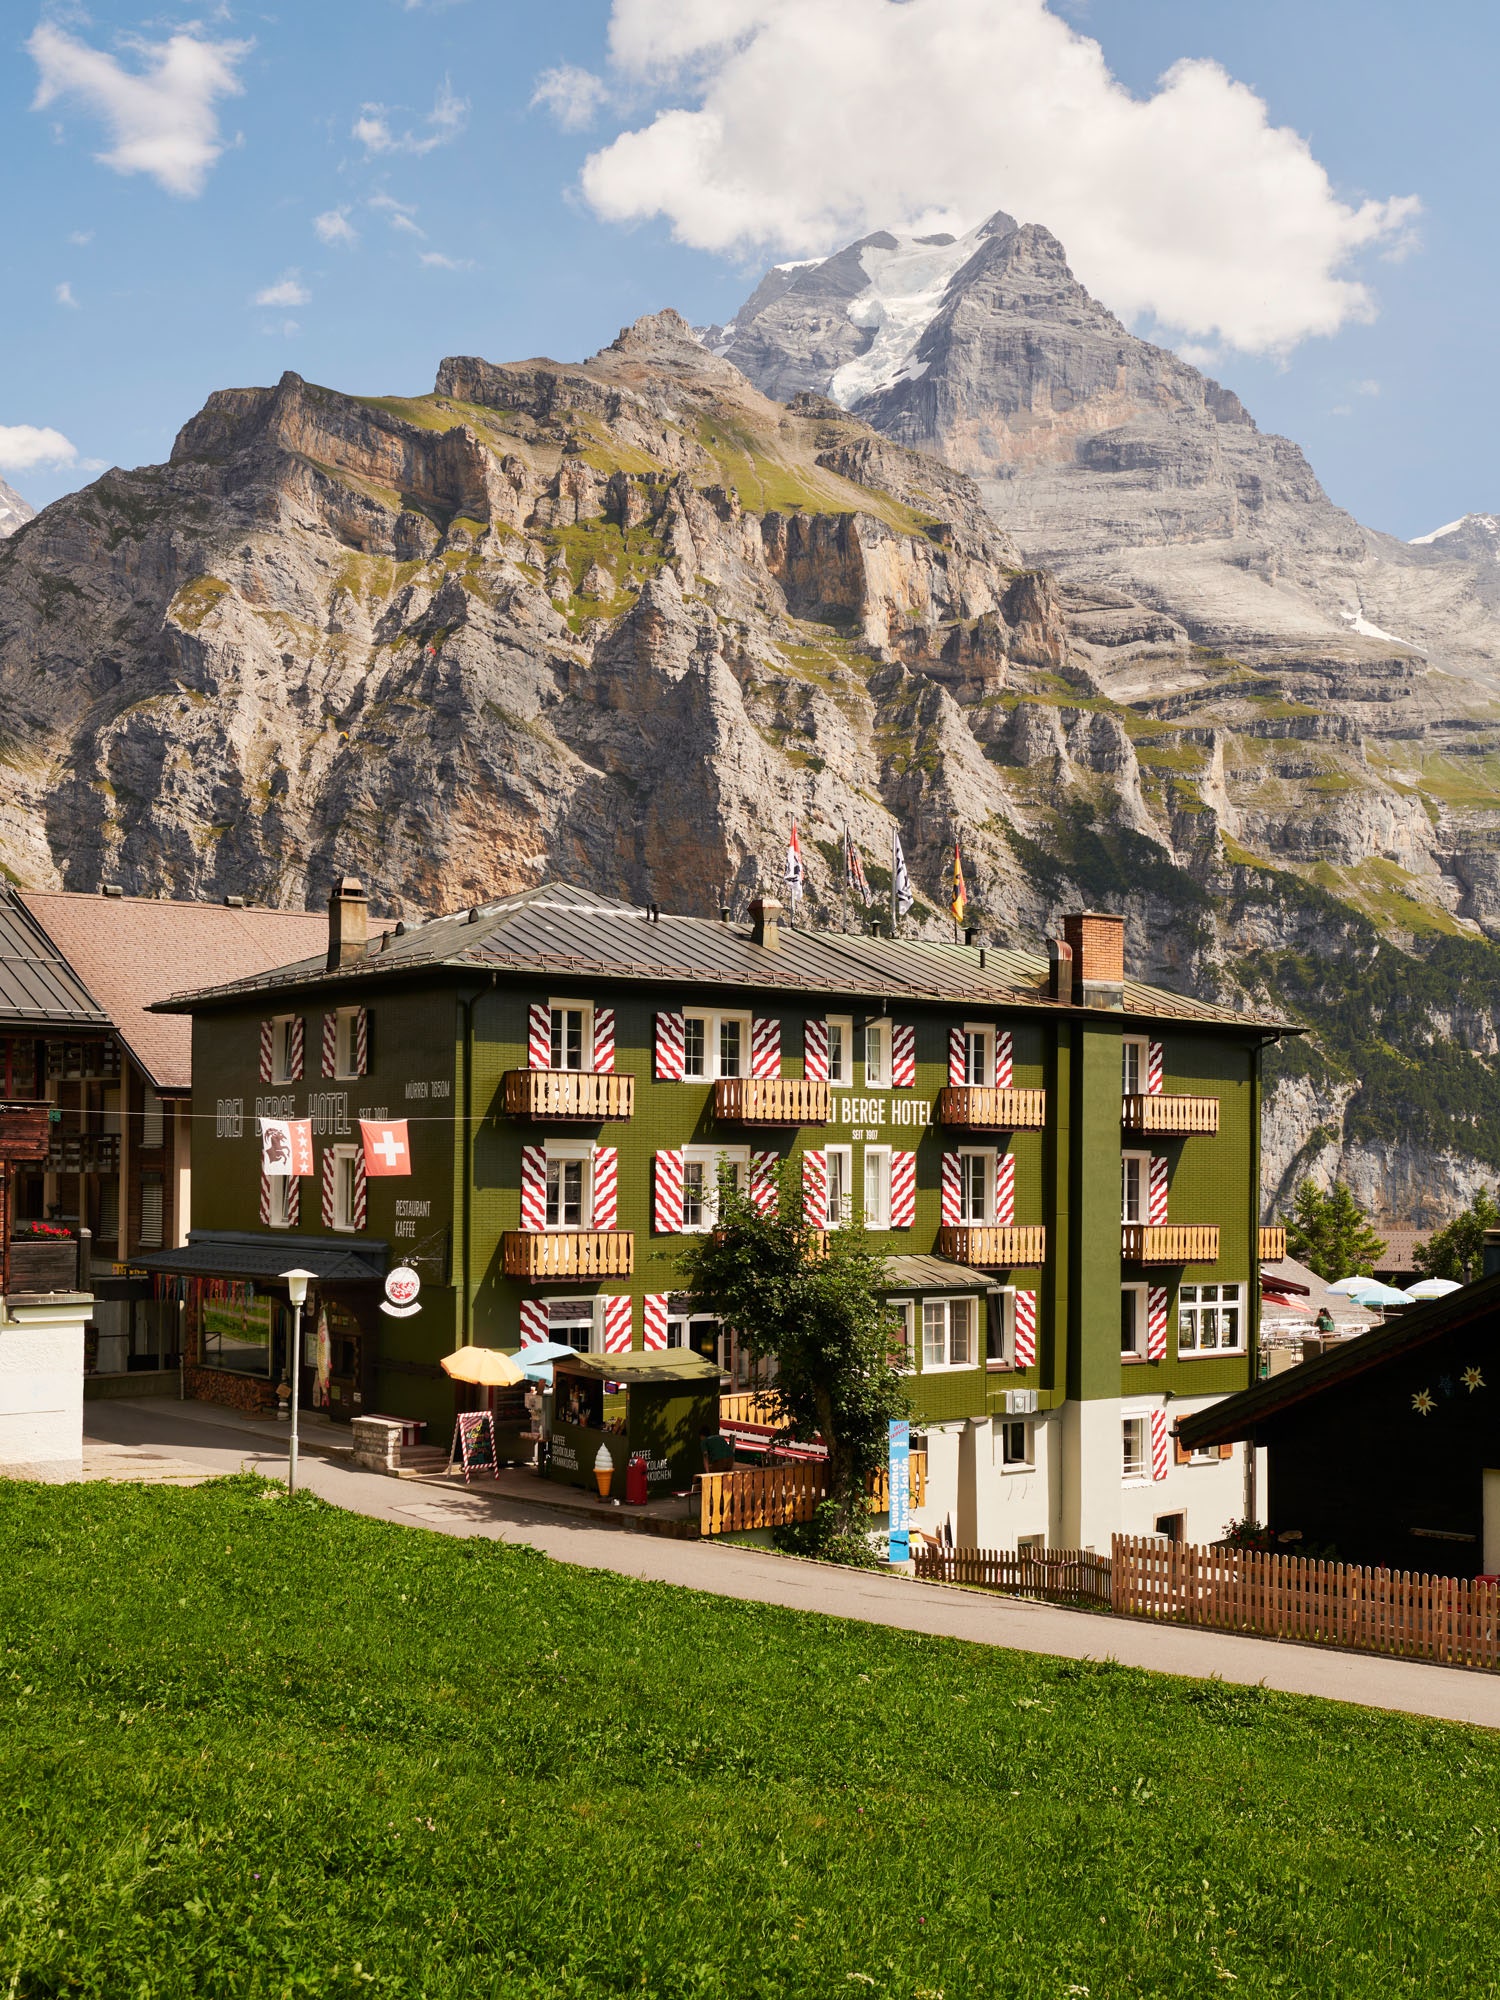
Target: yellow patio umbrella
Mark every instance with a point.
(487, 1366)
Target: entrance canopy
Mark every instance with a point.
(671, 1364)
(233, 1253)
(934, 1274)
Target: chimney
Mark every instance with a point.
(1060, 970)
(348, 921)
(1097, 941)
(765, 914)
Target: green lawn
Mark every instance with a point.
(262, 1748)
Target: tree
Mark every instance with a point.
(1331, 1232)
(820, 1314)
(1457, 1250)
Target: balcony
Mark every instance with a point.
(992, 1248)
(558, 1095)
(569, 1253)
(1169, 1243)
(1170, 1116)
(980, 1110)
(766, 1100)
(1272, 1245)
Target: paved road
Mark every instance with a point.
(170, 1440)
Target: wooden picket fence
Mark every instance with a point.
(1059, 1576)
(772, 1496)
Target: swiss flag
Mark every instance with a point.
(385, 1144)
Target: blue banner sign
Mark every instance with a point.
(900, 1482)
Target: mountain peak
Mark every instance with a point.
(14, 511)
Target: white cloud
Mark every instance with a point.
(798, 124)
(23, 446)
(436, 261)
(64, 295)
(160, 115)
(1367, 388)
(288, 290)
(334, 226)
(397, 213)
(443, 123)
(81, 238)
(571, 94)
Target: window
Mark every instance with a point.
(236, 1329)
(1015, 1447)
(572, 1039)
(570, 1322)
(979, 1055)
(695, 1030)
(1211, 1319)
(700, 1181)
(1135, 1448)
(715, 1045)
(109, 1211)
(283, 1070)
(1133, 1066)
(840, 1049)
(877, 1187)
(877, 1055)
(1132, 1322)
(347, 1060)
(1000, 1341)
(731, 1046)
(1171, 1526)
(151, 1121)
(904, 1315)
(948, 1339)
(840, 1168)
(1135, 1174)
(975, 1187)
(566, 1193)
(151, 1211)
(280, 1187)
(698, 1333)
(345, 1163)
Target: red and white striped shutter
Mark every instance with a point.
(330, 1044)
(1153, 1069)
(606, 1186)
(267, 1040)
(1156, 1212)
(654, 1321)
(1156, 1323)
(293, 1201)
(669, 1035)
(298, 1040)
(538, 1036)
(903, 1190)
(956, 1063)
(1004, 1059)
(619, 1322)
(329, 1166)
(1159, 1452)
(815, 1188)
(952, 1208)
(535, 1325)
(360, 1199)
(815, 1051)
(1005, 1190)
(903, 1055)
(765, 1047)
(668, 1194)
(533, 1187)
(361, 1041)
(265, 1201)
(604, 1040)
(763, 1190)
(1025, 1326)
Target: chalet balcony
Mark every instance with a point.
(1170, 1116)
(587, 1097)
(1169, 1243)
(979, 1110)
(1272, 1245)
(993, 1248)
(569, 1253)
(767, 1100)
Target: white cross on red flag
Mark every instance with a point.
(385, 1144)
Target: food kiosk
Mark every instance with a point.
(607, 1408)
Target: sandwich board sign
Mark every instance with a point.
(474, 1443)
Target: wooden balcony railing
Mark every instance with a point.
(1170, 1243)
(980, 1110)
(1170, 1115)
(778, 1100)
(992, 1248)
(1273, 1244)
(585, 1095)
(770, 1496)
(569, 1253)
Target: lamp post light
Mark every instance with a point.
(296, 1284)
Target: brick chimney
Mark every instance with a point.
(765, 915)
(348, 921)
(1097, 941)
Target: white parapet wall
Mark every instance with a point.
(41, 1385)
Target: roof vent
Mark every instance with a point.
(400, 930)
(348, 921)
(765, 915)
(474, 914)
(234, 902)
(385, 939)
(111, 889)
(971, 936)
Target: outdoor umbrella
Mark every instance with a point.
(1349, 1286)
(487, 1366)
(1433, 1288)
(1374, 1294)
(535, 1360)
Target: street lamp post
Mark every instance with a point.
(296, 1285)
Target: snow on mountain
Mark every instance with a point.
(1480, 534)
(906, 287)
(14, 512)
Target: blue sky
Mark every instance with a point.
(191, 256)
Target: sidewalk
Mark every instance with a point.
(219, 1442)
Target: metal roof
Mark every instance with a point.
(679, 1364)
(934, 1274)
(566, 931)
(38, 987)
(234, 1253)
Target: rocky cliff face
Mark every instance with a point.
(14, 512)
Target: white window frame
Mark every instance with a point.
(906, 1311)
(840, 1030)
(878, 1073)
(1139, 1047)
(1140, 1293)
(1006, 1357)
(845, 1155)
(987, 1155)
(713, 1019)
(280, 1186)
(591, 1309)
(345, 1044)
(344, 1158)
(574, 1149)
(1195, 1305)
(1141, 1476)
(984, 1033)
(877, 1214)
(948, 1366)
(677, 1326)
(710, 1157)
(1008, 1428)
(586, 1035)
(281, 1048)
(1143, 1191)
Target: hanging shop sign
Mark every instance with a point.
(401, 1288)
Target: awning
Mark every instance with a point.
(934, 1274)
(1280, 1299)
(234, 1253)
(669, 1364)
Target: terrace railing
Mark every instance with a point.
(993, 1248)
(569, 1253)
(1170, 1115)
(773, 1496)
(1272, 1245)
(772, 1100)
(563, 1095)
(981, 1110)
(1169, 1243)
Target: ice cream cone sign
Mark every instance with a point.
(604, 1470)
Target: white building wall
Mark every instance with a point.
(41, 1388)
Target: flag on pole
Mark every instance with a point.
(386, 1147)
(854, 869)
(960, 900)
(901, 890)
(794, 869)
